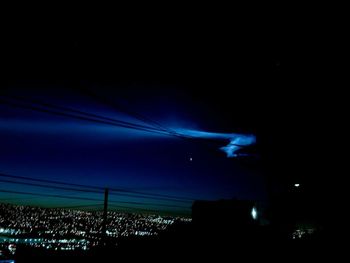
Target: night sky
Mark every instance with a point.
(212, 78)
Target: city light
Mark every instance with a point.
(254, 213)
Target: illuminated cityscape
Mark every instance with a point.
(182, 137)
(66, 229)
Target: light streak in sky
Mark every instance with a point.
(236, 141)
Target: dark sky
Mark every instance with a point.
(214, 75)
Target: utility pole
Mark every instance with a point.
(105, 207)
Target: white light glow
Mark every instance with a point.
(254, 213)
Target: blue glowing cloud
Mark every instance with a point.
(236, 141)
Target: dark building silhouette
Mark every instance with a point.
(215, 221)
(224, 213)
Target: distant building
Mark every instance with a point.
(223, 217)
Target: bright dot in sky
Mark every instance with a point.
(254, 213)
(296, 185)
(190, 159)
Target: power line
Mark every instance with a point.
(143, 194)
(129, 112)
(148, 197)
(174, 198)
(50, 105)
(82, 190)
(15, 198)
(49, 186)
(50, 181)
(87, 191)
(49, 195)
(140, 117)
(83, 198)
(159, 129)
(100, 119)
(78, 117)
